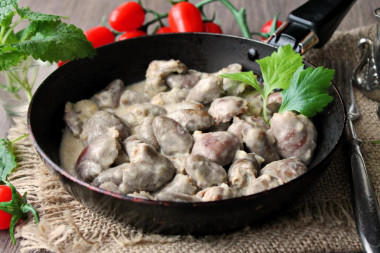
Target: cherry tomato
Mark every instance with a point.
(60, 63)
(126, 17)
(164, 29)
(5, 196)
(185, 17)
(267, 28)
(131, 34)
(211, 27)
(99, 36)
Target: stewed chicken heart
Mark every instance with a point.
(206, 90)
(204, 171)
(295, 135)
(243, 172)
(98, 155)
(148, 171)
(192, 119)
(220, 147)
(76, 114)
(185, 135)
(156, 73)
(225, 108)
(99, 123)
(185, 80)
(110, 96)
(256, 138)
(171, 136)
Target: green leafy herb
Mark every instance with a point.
(7, 159)
(45, 37)
(18, 206)
(307, 93)
(304, 91)
(277, 70)
(245, 77)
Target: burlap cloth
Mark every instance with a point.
(321, 220)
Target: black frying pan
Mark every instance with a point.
(129, 60)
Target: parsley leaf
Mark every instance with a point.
(45, 37)
(11, 58)
(53, 41)
(245, 77)
(7, 19)
(26, 13)
(304, 90)
(278, 69)
(6, 10)
(307, 93)
(7, 159)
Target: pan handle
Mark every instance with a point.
(311, 24)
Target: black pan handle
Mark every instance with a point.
(311, 24)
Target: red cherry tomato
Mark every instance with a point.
(131, 34)
(5, 196)
(60, 63)
(266, 28)
(185, 17)
(211, 27)
(99, 36)
(164, 29)
(126, 17)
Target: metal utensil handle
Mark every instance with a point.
(365, 202)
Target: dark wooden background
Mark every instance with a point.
(89, 13)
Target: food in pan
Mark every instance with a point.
(185, 135)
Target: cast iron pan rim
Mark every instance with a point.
(188, 34)
(72, 178)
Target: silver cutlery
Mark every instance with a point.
(365, 205)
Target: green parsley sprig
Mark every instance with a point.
(303, 90)
(45, 37)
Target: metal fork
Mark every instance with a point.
(365, 205)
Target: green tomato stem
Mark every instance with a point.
(18, 208)
(14, 220)
(158, 18)
(204, 2)
(29, 208)
(239, 15)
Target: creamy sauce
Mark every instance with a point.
(69, 151)
(72, 146)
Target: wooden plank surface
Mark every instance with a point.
(89, 13)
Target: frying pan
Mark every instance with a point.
(128, 60)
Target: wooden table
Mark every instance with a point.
(89, 13)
